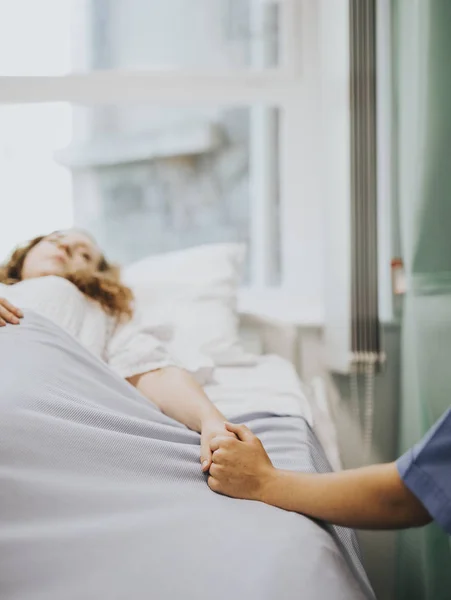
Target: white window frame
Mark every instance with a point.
(291, 88)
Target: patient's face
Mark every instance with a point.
(61, 253)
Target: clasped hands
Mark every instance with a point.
(238, 464)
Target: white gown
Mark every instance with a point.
(128, 348)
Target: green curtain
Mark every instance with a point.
(422, 93)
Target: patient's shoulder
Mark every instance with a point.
(53, 281)
(47, 282)
(50, 287)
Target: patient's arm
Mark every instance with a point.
(179, 396)
(368, 498)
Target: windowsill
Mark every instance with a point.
(280, 307)
(286, 308)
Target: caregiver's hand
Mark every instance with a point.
(9, 313)
(241, 468)
(212, 427)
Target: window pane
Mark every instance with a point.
(50, 37)
(143, 180)
(35, 190)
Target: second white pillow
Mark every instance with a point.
(193, 290)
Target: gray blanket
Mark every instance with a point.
(102, 497)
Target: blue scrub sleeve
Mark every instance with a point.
(426, 471)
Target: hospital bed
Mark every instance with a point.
(102, 496)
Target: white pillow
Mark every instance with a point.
(193, 290)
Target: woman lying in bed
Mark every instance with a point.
(65, 277)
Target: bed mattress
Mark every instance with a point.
(101, 495)
(263, 384)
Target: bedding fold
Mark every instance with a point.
(102, 496)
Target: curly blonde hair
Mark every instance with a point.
(104, 286)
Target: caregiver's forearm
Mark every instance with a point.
(368, 498)
(178, 395)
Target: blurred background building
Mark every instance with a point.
(174, 177)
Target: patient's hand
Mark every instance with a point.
(241, 468)
(9, 313)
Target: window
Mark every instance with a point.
(62, 36)
(35, 191)
(158, 179)
(208, 96)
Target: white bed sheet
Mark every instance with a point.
(270, 383)
(266, 384)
